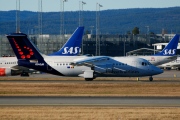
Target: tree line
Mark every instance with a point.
(119, 21)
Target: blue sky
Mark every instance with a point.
(73, 5)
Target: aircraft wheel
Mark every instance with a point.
(151, 78)
(88, 79)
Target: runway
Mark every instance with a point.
(105, 101)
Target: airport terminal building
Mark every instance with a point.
(109, 45)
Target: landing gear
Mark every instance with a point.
(24, 74)
(88, 79)
(150, 78)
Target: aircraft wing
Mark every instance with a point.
(90, 61)
(16, 67)
(23, 69)
(173, 57)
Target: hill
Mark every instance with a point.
(111, 21)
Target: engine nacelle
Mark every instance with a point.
(8, 72)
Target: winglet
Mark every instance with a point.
(171, 48)
(73, 45)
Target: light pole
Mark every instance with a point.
(97, 28)
(124, 45)
(81, 3)
(91, 29)
(40, 17)
(17, 16)
(62, 20)
(147, 29)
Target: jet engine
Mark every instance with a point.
(9, 72)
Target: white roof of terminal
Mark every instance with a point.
(160, 44)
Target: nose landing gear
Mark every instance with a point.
(150, 78)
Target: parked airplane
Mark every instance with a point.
(166, 55)
(84, 66)
(9, 66)
(173, 64)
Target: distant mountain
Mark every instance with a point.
(118, 21)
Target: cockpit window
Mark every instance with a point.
(146, 63)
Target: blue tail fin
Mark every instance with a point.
(28, 55)
(171, 48)
(23, 47)
(73, 46)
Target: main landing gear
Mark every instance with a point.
(150, 78)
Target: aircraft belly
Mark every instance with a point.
(123, 72)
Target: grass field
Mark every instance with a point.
(87, 113)
(89, 89)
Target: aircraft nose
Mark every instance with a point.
(158, 70)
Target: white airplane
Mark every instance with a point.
(173, 64)
(9, 66)
(168, 54)
(84, 66)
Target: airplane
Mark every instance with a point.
(168, 54)
(83, 66)
(173, 64)
(72, 47)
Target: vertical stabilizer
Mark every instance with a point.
(23, 47)
(73, 45)
(171, 48)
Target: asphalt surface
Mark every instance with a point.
(105, 101)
